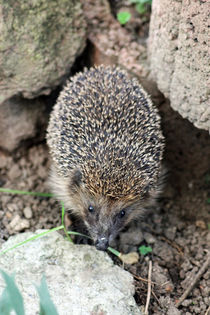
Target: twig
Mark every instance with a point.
(194, 281)
(155, 296)
(142, 279)
(149, 287)
(208, 311)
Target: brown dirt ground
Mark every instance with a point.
(177, 229)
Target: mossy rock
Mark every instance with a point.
(39, 41)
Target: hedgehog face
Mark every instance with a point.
(103, 217)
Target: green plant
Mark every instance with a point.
(141, 5)
(11, 298)
(123, 17)
(145, 250)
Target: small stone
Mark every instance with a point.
(173, 311)
(42, 172)
(14, 172)
(12, 207)
(131, 237)
(3, 161)
(18, 224)
(149, 238)
(170, 233)
(187, 302)
(5, 199)
(8, 215)
(201, 224)
(27, 212)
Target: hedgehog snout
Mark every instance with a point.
(102, 243)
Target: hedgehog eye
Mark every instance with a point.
(90, 209)
(121, 213)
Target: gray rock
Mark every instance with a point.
(20, 119)
(39, 41)
(27, 212)
(164, 251)
(173, 311)
(17, 224)
(81, 280)
(170, 232)
(149, 238)
(178, 54)
(131, 237)
(14, 172)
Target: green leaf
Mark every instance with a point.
(12, 295)
(123, 17)
(145, 1)
(145, 250)
(5, 305)
(140, 7)
(208, 200)
(141, 1)
(46, 305)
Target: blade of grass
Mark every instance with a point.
(5, 304)
(15, 297)
(80, 234)
(22, 192)
(62, 222)
(114, 251)
(31, 239)
(46, 305)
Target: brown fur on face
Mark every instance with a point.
(105, 220)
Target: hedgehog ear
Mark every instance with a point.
(76, 178)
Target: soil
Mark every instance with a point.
(177, 228)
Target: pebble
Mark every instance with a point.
(27, 212)
(173, 311)
(18, 224)
(149, 238)
(42, 172)
(170, 233)
(12, 207)
(187, 302)
(3, 161)
(132, 238)
(14, 172)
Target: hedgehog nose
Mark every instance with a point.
(102, 243)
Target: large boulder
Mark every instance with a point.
(81, 280)
(39, 41)
(178, 53)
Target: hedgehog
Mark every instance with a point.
(106, 145)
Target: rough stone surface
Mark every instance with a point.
(20, 119)
(39, 41)
(81, 280)
(178, 53)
